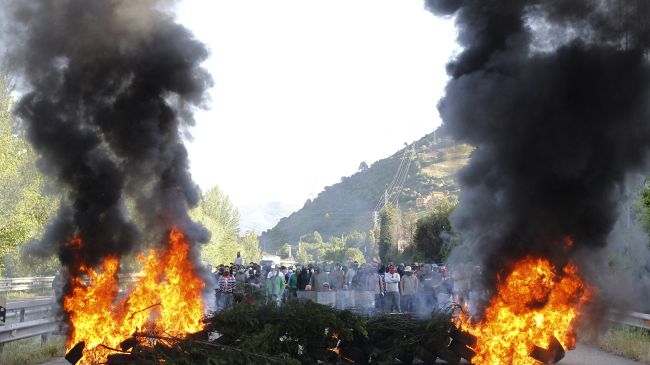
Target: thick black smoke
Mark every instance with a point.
(555, 96)
(110, 88)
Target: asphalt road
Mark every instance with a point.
(582, 355)
(586, 355)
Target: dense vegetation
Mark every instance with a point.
(434, 237)
(217, 213)
(24, 208)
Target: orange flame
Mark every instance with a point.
(166, 299)
(532, 304)
(336, 349)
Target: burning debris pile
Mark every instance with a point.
(534, 310)
(109, 88)
(298, 332)
(553, 95)
(166, 300)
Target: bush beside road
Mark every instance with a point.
(630, 342)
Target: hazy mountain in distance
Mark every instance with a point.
(262, 216)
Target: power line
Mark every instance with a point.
(385, 199)
(405, 175)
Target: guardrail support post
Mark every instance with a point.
(3, 309)
(3, 314)
(22, 314)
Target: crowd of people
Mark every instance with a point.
(396, 287)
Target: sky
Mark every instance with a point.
(306, 90)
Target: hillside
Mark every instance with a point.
(432, 162)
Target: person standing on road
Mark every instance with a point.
(392, 280)
(337, 278)
(293, 284)
(319, 278)
(240, 284)
(225, 288)
(375, 284)
(275, 284)
(303, 279)
(409, 286)
(349, 275)
(430, 281)
(253, 282)
(239, 260)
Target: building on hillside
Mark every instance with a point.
(421, 201)
(431, 199)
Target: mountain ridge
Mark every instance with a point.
(349, 205)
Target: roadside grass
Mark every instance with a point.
(31, 351)
(630, 342)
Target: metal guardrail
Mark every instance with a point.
(25, 284)
(19, 310)
(632, 319)
(22, 330)
(34, 317)
(45, 282)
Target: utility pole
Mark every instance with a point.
(375, 218)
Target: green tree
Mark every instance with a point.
(302, 256)
(642, 207)
(221, 218)
(286, 251)
(387, 234)
(344, 255)
(251, 247)
(24, 209)
(218, 206)
(312, 238)
(370, 248)
(315, 251)
(434, 237)
(354, 239)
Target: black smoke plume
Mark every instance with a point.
(110, 88)
(555, 97)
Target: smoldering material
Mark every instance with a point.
(110, 87)
(556, 130)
